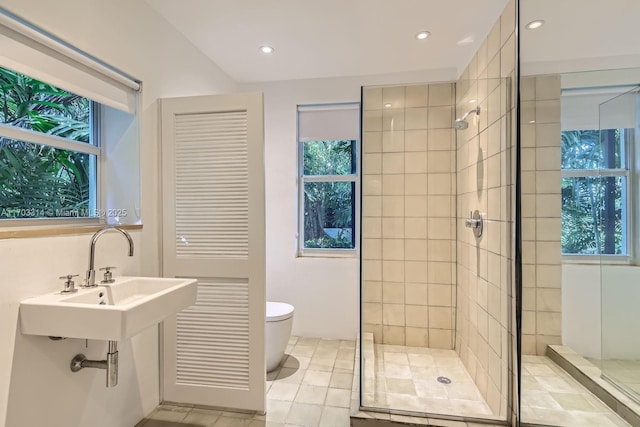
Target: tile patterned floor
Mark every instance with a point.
(551, 396)
(312, 388)
(405, 378)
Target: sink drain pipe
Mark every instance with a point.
(80, 361)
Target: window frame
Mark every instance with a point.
(629, 211)
(93, 148)
(351, 178)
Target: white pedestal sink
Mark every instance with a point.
(110, 312)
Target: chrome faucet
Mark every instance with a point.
(91, 272)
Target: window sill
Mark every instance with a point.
(329, 254)
(597, 259)
(56, 230)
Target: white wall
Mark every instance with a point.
(620, 304)
(34, 371)
(601, 320)
(324, 291)
(581, 308)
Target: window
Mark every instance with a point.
(69, 133)
(329, 189)
(595, 177)
(599, 178)
(49, 150)
(328, 178)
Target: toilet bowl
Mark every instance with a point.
(278, 332)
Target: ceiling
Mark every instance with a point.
(599, 36)
(330, 38)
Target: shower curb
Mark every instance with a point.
(588, 375)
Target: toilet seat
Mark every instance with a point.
(277, 311)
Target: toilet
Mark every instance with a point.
(278, 332)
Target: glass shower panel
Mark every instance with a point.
(436, 313)
(617, 241)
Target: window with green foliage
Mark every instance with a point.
(328, 193)
(49, 150)
(595, 175)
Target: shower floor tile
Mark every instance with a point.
(550, 396)
(406, 378)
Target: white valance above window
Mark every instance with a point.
(599, 108)
(329, 122)
(30, 50)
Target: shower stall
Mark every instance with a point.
(437, 249)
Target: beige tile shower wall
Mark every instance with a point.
(541, 207)
(408, 202)
(485, 154)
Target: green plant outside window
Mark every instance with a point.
(329, 190)
(40, 180)
(594, 191)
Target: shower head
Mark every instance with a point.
(462, 123)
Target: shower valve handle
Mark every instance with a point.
(474, 222)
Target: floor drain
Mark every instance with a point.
(444, 380)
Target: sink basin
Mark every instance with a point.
(113, 311)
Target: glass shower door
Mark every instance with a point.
(620, 272)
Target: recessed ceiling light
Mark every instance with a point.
(387, 105)
(534, 25)
(465, 41)
(423, 35)
(472, 101)
(266, 49)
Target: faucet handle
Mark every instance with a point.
(69, 285)
(108, 275)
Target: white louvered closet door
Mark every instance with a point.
(213, 230)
